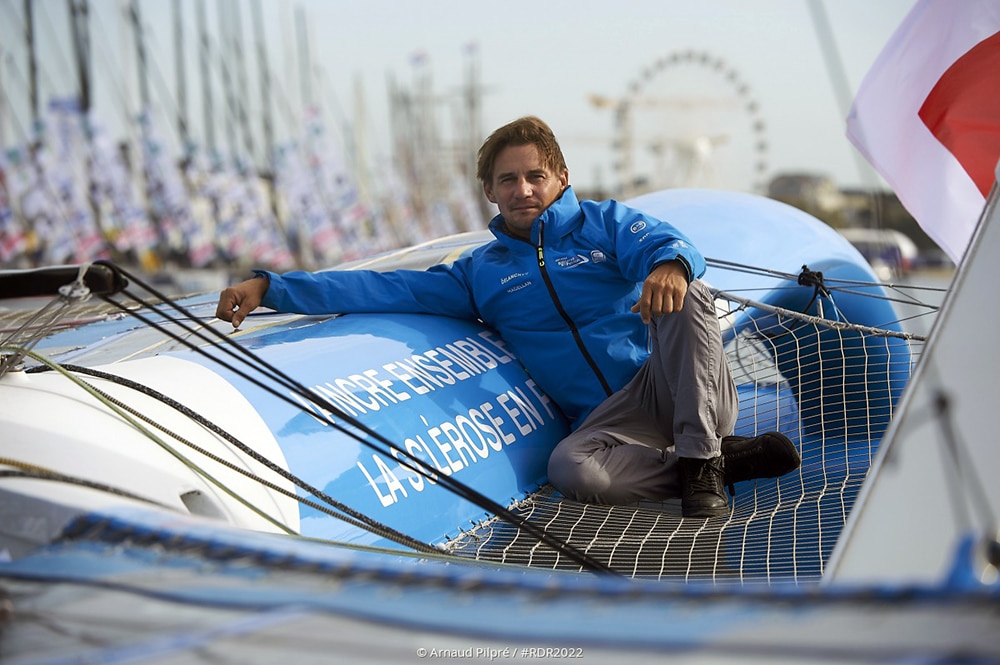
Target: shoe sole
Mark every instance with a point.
(706, 514)
(779, 457)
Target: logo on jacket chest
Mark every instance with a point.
(572, 261)
(594, 256)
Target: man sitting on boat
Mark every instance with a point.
(605, 309)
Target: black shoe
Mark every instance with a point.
(702, 493)
(769, 455)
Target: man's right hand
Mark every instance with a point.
(237, 301)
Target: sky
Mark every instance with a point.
(767, 80)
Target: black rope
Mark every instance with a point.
(82, 482)
(834, 284)
(813, 278)
(275, 375)
(351, 516)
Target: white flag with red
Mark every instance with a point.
(927, 115)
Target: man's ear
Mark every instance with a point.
(489, 193)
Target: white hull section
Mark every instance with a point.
(53, 425)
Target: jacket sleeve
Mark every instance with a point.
(443, 290)
(642, 242)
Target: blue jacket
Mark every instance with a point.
(562, 302)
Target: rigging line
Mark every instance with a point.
(234, 108)
(805, 277)
(202, 421)
(54, 42)
(17, 18)
(15, 121)
(38, 474)
(73, 293)
(161, 84)
(944, 414)
(97, 394)
(407, 460)
(27, 466)
(116, 82)
(894, 286)
(907, 300)
(350, 516)
(744, 304)
(742, 267)
(903, 290)
(284, 103)
(30, 323)
(113, 405)
(898, 288)
(910, 301)
(341, 117)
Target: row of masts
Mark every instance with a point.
(306, 174)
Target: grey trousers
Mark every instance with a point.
(680, 404)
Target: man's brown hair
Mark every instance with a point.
(528, 130)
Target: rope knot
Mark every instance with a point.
(813, 278)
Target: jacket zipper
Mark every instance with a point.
(565, 315)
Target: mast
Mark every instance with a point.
(80, 34)
(264, 70)
(206, 77)
(264, 65)
(182, 104)
(145, 128)
(361, 167)
(140, 50)
(473, 127)
(5, 112)
(838, 79)
(305, 59)
(79, 23)
(241, 74)
(227, 84)
(81, 49)
(29, 33)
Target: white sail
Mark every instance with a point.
(934, 482)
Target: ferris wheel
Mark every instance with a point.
(687, 120)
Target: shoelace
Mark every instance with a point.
(702, 480)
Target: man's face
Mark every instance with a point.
(523, 187)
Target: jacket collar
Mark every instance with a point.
(560, 218)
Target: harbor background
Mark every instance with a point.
(198, 138)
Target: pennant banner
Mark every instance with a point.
(927, 115)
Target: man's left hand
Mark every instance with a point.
(663, 291)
